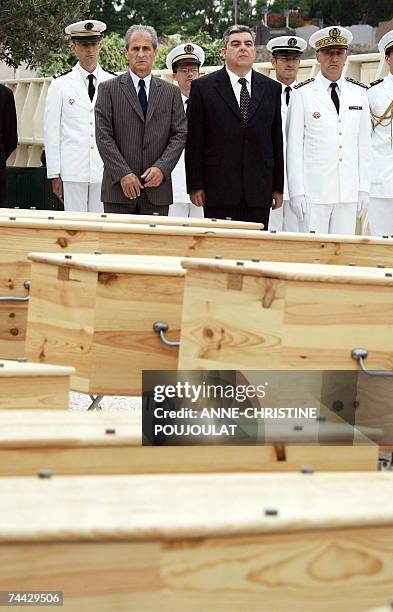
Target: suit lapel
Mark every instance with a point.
(224, 88)
(129, 91)
(154, 97)
(257, 93)
(79, 87)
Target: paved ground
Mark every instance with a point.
(110, 403)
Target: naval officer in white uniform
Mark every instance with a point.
(380, 96)
(286, 53)
(184, 61)
(72, 158)
(329, 142)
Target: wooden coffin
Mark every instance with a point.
(256, 316)
(261, 542)
(96, 313)
(34, 385)
(129, 219)
(246, 244)
(19, 236)
(73, 442)
(375, 406)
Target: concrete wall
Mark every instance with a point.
(7, 73)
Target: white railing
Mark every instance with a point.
(30, 96)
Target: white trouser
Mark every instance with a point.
(276, 219)
(283, 219)
(82, 197)
(291, 220)
(337, 218)
(178, 209)
(380, 216)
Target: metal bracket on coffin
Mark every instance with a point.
(95, 404)
(17, 298)
(359, 354)
(160, 327)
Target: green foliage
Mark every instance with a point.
(111, 57)
(211, 48)
(170, 17)
(105, 10)
(31, 29)
(112, 52)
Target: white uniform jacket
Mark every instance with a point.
(328, 155)
(179, 188)
(380, 98)
(284, 114)
(69, 128)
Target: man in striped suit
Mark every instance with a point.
(141, 131)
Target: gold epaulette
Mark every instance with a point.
(356, 82)
(303, 83)
(376, 82)
(56, 76)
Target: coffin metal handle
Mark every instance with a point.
(359, 354)
(160, 327)
(17, 298)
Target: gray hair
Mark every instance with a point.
(236, 29)
(145, 30)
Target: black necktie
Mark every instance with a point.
(142, 96)
(244, 100)
(334, 97)
(91, 89)
(287, 94)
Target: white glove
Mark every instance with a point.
(363, 202)
(298, 205)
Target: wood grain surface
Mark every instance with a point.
(202, 541)
(129, 219)
(22, 235)
(243, 321)
(32, 385)
(100, 321)
(110, 443)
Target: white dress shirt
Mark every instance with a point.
(284, 95)
(326, 83)
(85, 75)
(234, 78)
(136, 79)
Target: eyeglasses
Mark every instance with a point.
(187, 70)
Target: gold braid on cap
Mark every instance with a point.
(384, 120)
(332, 40)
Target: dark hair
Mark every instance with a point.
(388, 51)
(236, 29)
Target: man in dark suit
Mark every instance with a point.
(141, 131)
(234, 152)
(8, 134)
